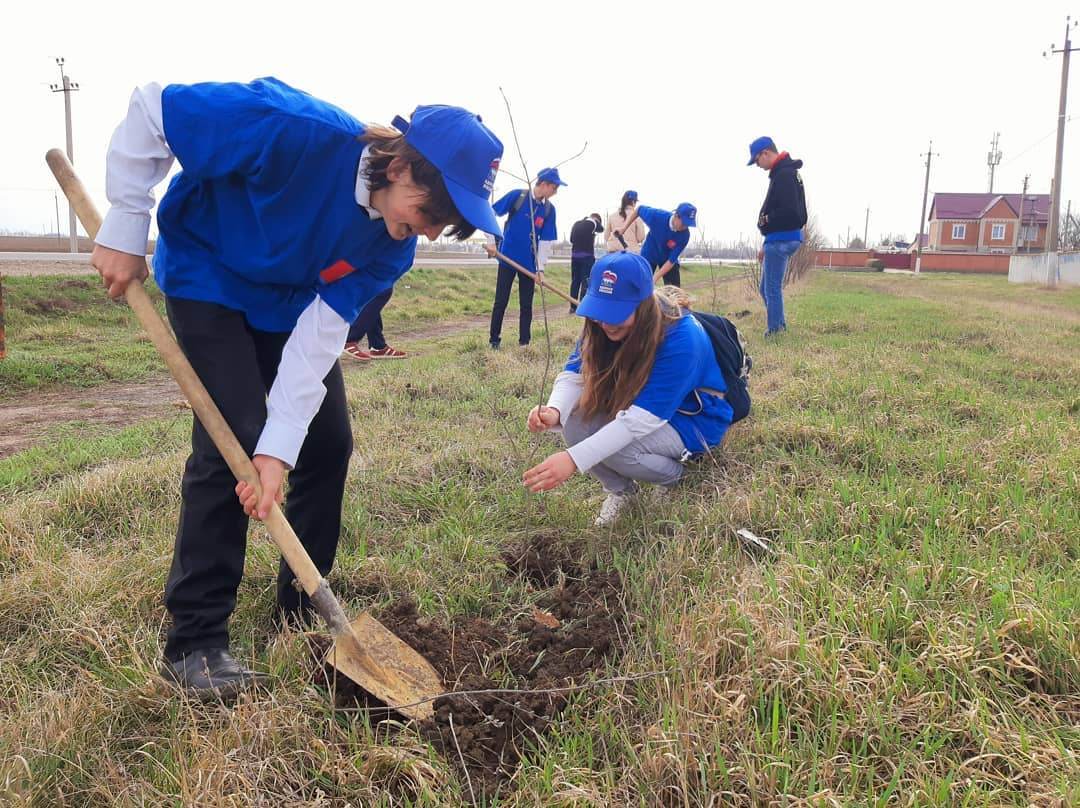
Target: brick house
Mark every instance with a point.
(988, 223)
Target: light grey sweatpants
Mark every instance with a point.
(652, 459)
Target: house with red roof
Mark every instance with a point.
(988, 223)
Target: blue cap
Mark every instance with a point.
(550, 175)
(758, 146)
(688, 214)
(631, 195)
(617, 285)
(466, 153)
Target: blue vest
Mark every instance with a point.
(264, 216)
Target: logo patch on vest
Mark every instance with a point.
(336, 271)
(607, 282)
(671, 243)
(539, 221)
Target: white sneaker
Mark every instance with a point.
(614, 504)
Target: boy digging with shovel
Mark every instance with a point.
(288, 217)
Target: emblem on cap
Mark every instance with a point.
(607, 282)
(489, 183)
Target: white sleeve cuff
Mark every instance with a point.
(125, 231)
(565, 393)
(298, 391)
(543, 254)
(282, 440)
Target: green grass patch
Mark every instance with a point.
(912, 638)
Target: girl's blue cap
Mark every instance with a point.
(617, 285)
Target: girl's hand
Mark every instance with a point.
(271, 476)
(542, 419)
(550, 474)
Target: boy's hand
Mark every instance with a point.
(542, 419)
(271, 476)
(490, 249)
(118, 269)
(550, 474)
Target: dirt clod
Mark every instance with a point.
(528, 662)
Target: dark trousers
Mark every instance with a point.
(238, 363)
(673, 278)
(369, 322)
(579, 276)
(526, 287)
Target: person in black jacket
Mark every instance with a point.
(582, 254)
(781, 220)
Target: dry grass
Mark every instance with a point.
(911, 639)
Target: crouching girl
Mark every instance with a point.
(640, 395)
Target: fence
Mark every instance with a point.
(1049, 269)
(979, 263)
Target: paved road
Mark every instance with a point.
(36, 263)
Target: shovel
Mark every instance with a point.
(534, 276)
(363, 650)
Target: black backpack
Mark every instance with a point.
(735, 363)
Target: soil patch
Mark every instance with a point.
(569, 631)
(25, 420)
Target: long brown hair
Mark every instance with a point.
(386, 144)
(615, 372)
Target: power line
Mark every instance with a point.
(67, 87)
(1055, 196)
(993, 158)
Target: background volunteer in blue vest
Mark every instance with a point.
(528, 216)
(582, 254)
(669, 233)
(641, 393)
(288, 217)
(780, 220)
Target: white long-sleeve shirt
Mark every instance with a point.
(139, 157)
(628, 425)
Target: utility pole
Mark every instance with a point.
(993, 158)
(1020, 237)
(56, 203)
(922, 216)
(1055, 195)
(67, 87)
(866, 230)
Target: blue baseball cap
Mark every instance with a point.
(631, 195)
(688, 214)
(550, 175)
(758, 146)
(466, 153)
(617, 285)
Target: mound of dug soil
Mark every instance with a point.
(569, 631)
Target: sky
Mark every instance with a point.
(666, 95)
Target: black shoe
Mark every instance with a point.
(209, 674)
(494, 346)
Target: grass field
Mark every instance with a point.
(911, 637)
(64, 331)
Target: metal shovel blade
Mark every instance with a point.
(402, 678)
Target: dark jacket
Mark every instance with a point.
(582, 237)
(784, 208)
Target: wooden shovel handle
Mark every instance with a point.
(205, 408)
(535, 277)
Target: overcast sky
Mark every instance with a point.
(668, 95)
